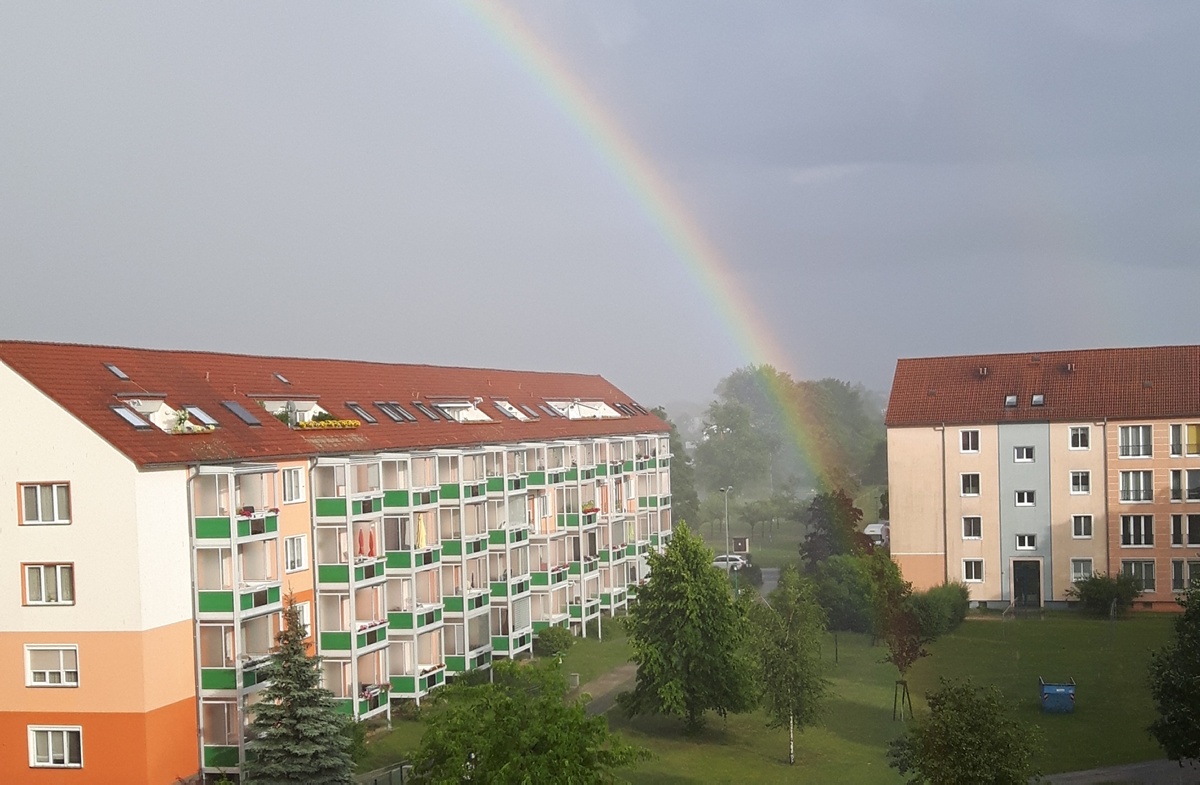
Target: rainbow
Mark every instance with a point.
(664, 208)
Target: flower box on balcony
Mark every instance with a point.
(328, 424)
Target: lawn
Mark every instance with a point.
(1107, 660)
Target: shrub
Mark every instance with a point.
(941, 609)
(750, 575)
(844, 590)
(1097, 593)
(356, 740)
(553, 641)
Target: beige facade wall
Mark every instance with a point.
(915, 501)
(1065, 504)
(986, 506)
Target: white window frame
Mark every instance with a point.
(1183, 527)
(1026, 542)
(293, 485)
(962, 480)
(1189, 572)
(50, 730)
(1138, 530)
(295, 546)
(1026, 498)
(57, 519)
(1140, 447)
(56, 570)
(1078, 574)
(1078, 524)
(1079, 437)
(1136, 487)
(966, 577)
(1141, 563)
(1023, 454)
(968, 440)
(978, 521)
(31, 681)
(1081, 482)
(305, 610)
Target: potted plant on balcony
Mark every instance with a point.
(589, 508)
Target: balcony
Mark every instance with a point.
(612, 599)
(252, 598)
(584, 610)
(468, 491)
(639, 548)
(371, 699)
(552, 576)
(510, 535)
(257, 524)
(465, 545)
(612, 555)
(367, 570)
(510, 644)
(474, 660)
(409, 560)
(220, 756)
(511, 587)
(474, 600)
(535, 479)
(588, 565)
(366, 634)
(395, 500)
(423, 618)
(253, 671)
(414, 686)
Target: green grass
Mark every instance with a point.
(1108, 662)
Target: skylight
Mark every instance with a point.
(117, 372)
(361, 412)
(281, 378)
(549, 411)
(462, 411)
(240, 412)
(510, 411)
(128, 416)
(584, 410)
(1010, 401)
(200, 414)
(393, 411)
(641, 409)
(529, 410)
(425, 410)
(1039, 399)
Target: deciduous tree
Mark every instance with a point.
(968, 736)
(688, 636)
(296, 724)
(520, 728)
(733, 450)
(685, 504)
(832, 521)
(788, 642)
(1175, 684)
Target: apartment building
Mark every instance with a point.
(163, 504)
(1021, 473)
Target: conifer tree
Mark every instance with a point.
(296, 725)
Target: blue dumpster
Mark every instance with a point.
(1057, 697)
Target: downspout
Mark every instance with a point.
(945, 513)
(1108, 567)
(195, 472)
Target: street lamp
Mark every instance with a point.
(725, 492)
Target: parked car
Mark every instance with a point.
(729, 561)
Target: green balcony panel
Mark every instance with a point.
(404, 684)
(516, 483)
(220, 757)
(216, 602)
(331, 508)
(627, 466)
(344, 706)
(495, 484)
(368, 571)
(260, 598)
(499, 589)
(454, 603)
(652, 464)
(333, 573)
(252, 527)
(451, 491)
(395, 499)
(401, 620)
(399, 560)
(253, 677)
(572, 475)
(212, 528)
(335, 641)
(496, 536)
(456, 663)
(499, 643)
(602, 470)
(218, 678)
(536, 479)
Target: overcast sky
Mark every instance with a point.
(386, 181)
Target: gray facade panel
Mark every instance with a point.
(1018, 476)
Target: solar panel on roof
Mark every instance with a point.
(240, 412)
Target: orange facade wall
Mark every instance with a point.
(924, 571)
(153, 748)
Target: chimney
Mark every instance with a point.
(983, 371)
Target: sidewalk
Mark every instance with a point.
(1151, 772)
(604, 689)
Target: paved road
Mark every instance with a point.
(770, 580)
(1151, 772)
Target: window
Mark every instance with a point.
(1010, 401)
(1038, 399)
(203, 417)
(1081, 437)
(51, 665)
(395, 411)
(1080, 569)
(1176, 484)
(59, 747)
(46, 503)
(1184, 574)
(1137, 486)
(1025, 498)
(305, 610)
(240, 412)
(1081, 482)
(970, 485)
(1142, 572)
(117, 372)
(1137, 530)
(1185, 439)
(1022, 454)
(973, 570)
(49, 584)
(1134, 441)
(1026, 542)
(1081, 526)
(295, 551)
(360, 412)
(293, 485)
(1193, 485)
(1185, 529)
(131, 417)
(425, 410)
(969, 441)
(972, 527)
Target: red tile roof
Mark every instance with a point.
(1088, 384)
(76, 378)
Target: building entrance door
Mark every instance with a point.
(1027, 583)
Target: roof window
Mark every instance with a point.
(362, 413)
(463, 411)
(1010, 401)
(240, 412)
(394, 411)
(510, 411)
(130, 417)
(548, 410)
(201, 415)
(584, 410)
(1039, 399)
(117, 372)
(281, 378)
(425, 410)
(529, 410)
